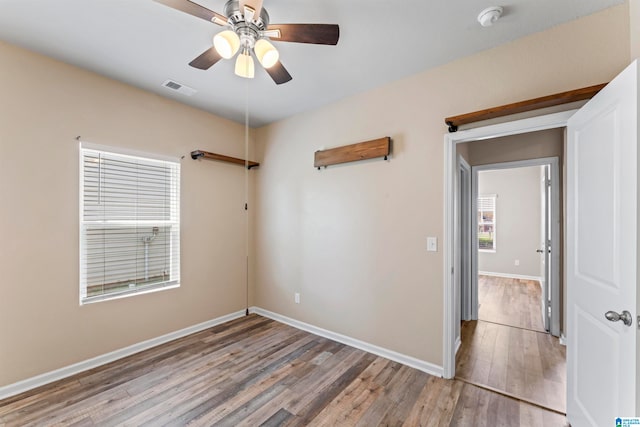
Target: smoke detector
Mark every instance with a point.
(487, 17)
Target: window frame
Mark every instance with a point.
(480, 221)
(174, 235)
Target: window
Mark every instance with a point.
(129, 224)
(487, 223)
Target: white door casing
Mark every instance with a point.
(451, 255)
(464, 240)
(551, 293)
(602, 254)
(545, 236)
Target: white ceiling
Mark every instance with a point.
(144, 43)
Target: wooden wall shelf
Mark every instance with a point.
(523, 106)
(213, 156)
(350, 153)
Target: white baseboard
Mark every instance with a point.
(58, 374)
(458, 344)
(510, 276)
(412, 362)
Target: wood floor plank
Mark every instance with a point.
(254, 371)
(479, 407)
(307, 413)
(356, 398)
(277, 419)
(438, 396)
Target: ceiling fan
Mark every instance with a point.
(248, 32)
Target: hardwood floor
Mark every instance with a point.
(257, 372)
(508, 350)
(526, 364)
(513, 302)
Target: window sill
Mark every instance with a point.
(110, 297)
(490, 251)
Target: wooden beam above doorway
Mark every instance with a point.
(520, 107)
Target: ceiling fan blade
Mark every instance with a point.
(278, 73)
(206, 59)
(256, 5)
(306, 33)
(187, 6)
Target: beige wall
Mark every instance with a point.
(518, 220)
(352, 239)
(45, 104)
(533, 145)
(463, 151)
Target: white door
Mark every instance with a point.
(601, 255)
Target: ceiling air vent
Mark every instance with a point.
(185, 90)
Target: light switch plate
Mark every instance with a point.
(432, 244)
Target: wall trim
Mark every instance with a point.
(562, 340)
(510, 276)
(76, 368)
(412, 362)
(458, 344)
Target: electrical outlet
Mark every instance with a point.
(296, 297)
(517, 262)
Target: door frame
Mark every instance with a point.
(463, 241)
(554, 273)
(452, 211)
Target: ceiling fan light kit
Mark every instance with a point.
(248, 32)
(266, 53)
(490, 15)
(226, 43)
(244, 65)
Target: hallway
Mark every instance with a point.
(517, 359)
(510, 302)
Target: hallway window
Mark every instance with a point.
(487, 223)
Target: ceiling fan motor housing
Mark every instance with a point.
(248, 32)
(235, 15)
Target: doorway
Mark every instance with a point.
(515, 239)
(506, 346)
(504, 367)
(452, 255)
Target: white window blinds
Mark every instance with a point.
(130, 224)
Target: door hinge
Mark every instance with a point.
(548, 183)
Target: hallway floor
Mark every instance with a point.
(511, 302)
(514, 359)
